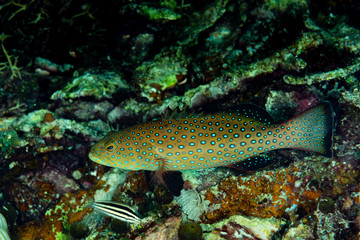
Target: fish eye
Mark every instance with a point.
(110, 146)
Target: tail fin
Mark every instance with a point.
(313, 129)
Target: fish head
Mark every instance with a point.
(113, 152)
(103, 148)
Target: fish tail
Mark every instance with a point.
(311, 130)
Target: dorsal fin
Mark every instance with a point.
(178, 113)
(253, 111)
(249, 109)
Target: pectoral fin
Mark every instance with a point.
(172, 179)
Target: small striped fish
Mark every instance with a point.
(117, 210)
(235, 137)
(4, 235)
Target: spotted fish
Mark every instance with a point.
(237, 137)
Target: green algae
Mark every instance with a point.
(62, 236)
(163, 14)
(8, 142)
(284, 5)
(11, 63)
(165, 10)
(98, 86)
(338, 74)
(352, 97)
(159, 75)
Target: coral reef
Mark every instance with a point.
(193, 206)
(93, 85)
(239, 227)
(9, 139)
(71, 71)
(46, 67)
(299, 232)
(159, 75)
(267, 194)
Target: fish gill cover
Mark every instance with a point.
(73, 71)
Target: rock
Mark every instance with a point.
(97, 86)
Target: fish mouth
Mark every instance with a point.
(91, 155)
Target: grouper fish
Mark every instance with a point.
(236, 137)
